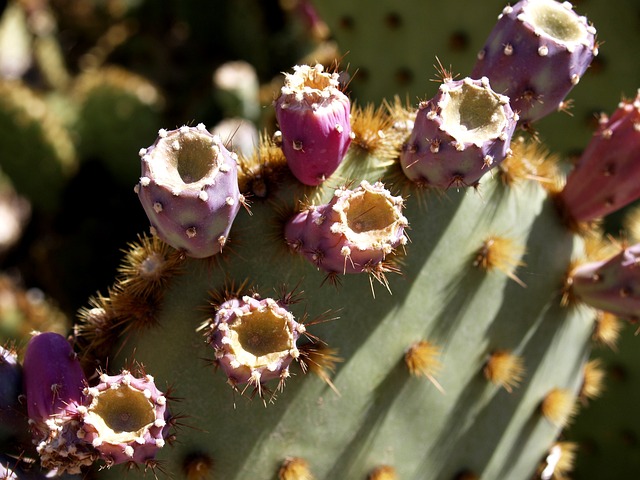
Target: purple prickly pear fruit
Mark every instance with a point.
(458, 135)
(535, 54)
(314, 119)
(54, 384)
(605, 178)
(126, 418)
(11, 414)
(189, 190)
(612, 285)
(53, 377)
(353, 233)
(254, 341)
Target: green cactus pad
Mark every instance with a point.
(37, 151)
(382, 413)
(116, 110)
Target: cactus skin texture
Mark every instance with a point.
(314, 120)
(536, 53)
(605, 177)
(189, 190)
(459, 135)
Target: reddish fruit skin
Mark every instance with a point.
(314, 119)
(190, 214)
(436, 156)
(151, 437)
(53, 377)
(533, 68)
(605, 178)
(323, 234)
(612, 285)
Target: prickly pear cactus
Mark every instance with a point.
(471, 306)
(418, 309)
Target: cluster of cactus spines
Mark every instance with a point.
(604, 179)
(254, 340)
(558, 406)
(504, 368)
(313, 115)
(383, 472)
(132, 302)
(536, 53)
(125, 418)
(295, 468)
(353, 233)
(459, 135)
(559, 462)
(423, 359)
(189, 190)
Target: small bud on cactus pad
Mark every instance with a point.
(352, 233)
(606, 176)
(313, 115)
(254, 340)
(612, 285)
(126, 418)
(53, 377)
(189, 190)
(536, 53)
(458, 135)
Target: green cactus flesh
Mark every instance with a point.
(373, 411)
(34, 140)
